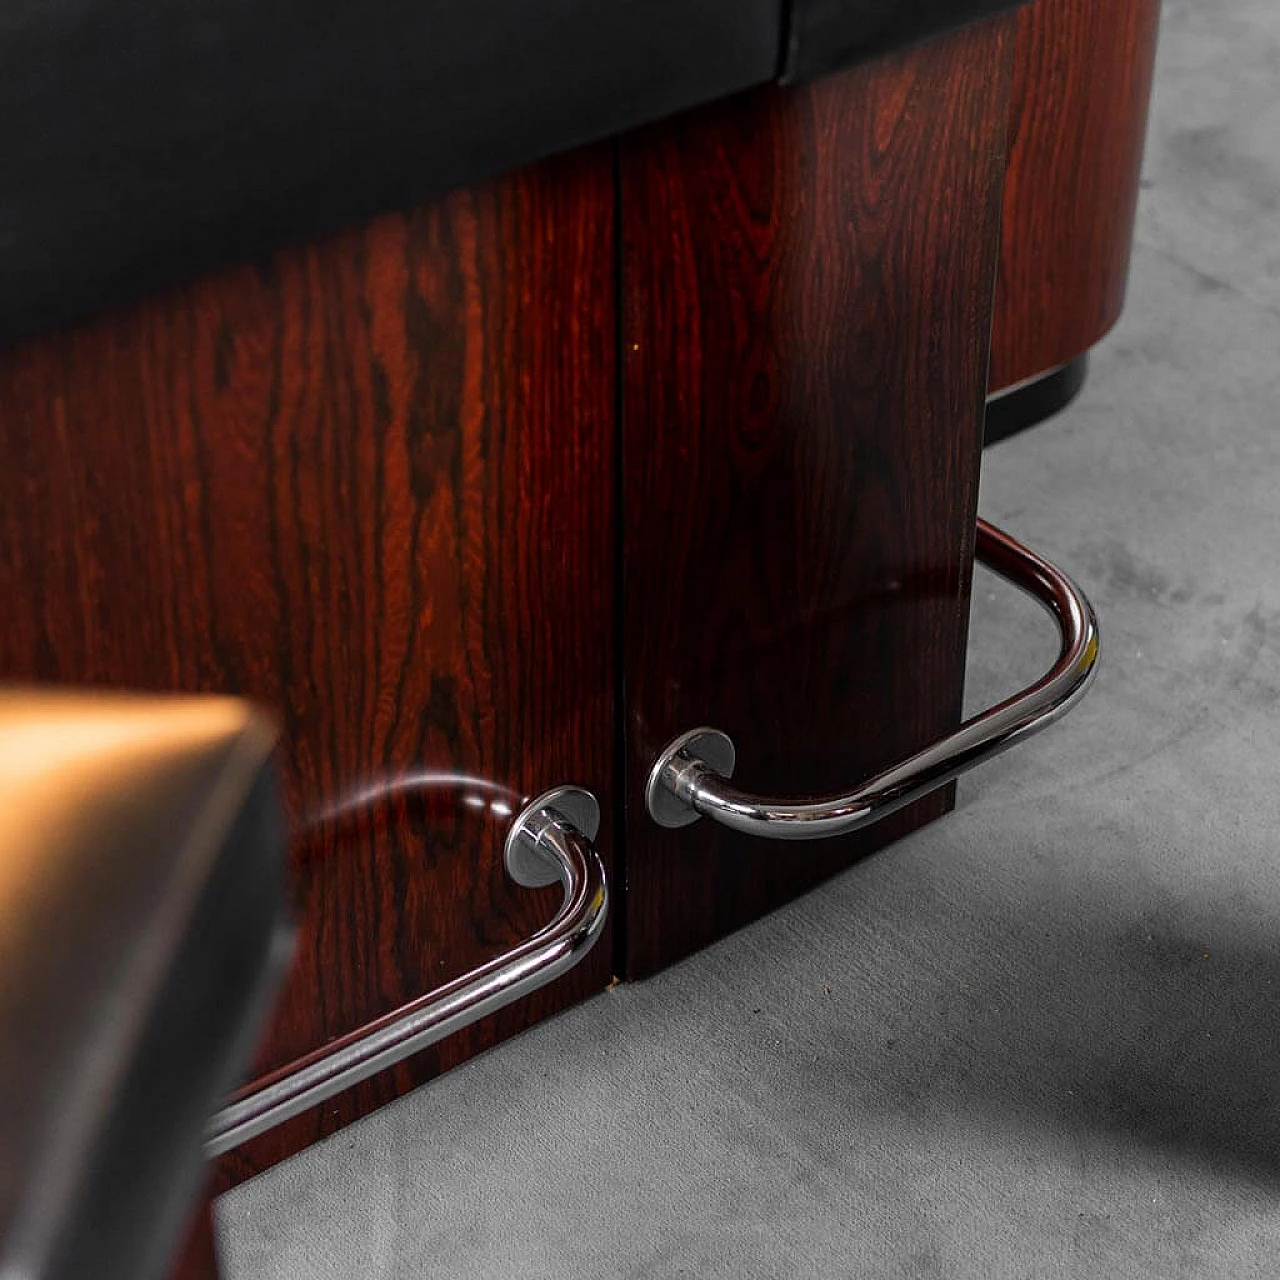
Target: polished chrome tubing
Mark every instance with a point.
(549, 841)
(689, 778)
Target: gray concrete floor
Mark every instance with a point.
(1040, 1038)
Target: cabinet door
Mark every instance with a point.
(807, 281)
(369, 483)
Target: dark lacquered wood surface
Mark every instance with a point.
(197, 1257)
(808, 281)
(369, 483)
(1077, 123)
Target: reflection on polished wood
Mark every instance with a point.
(367, 483)
(377, 484)
(807, 302)
(1077, 122)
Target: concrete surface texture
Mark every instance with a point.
(1040, 1038)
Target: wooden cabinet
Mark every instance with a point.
(508, 491)
(1077, 123)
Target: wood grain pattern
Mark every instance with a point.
(1077, 123)
(368, 483)
(808, 280)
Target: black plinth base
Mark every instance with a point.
(1009, 412)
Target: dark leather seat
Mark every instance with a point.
(141, 880)
(146, 142)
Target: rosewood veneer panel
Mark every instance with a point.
(369, 483)
(807, 303)
(1077, 123)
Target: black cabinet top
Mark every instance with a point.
(144, 142)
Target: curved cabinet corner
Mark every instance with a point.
(1077, 123)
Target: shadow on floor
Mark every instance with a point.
(1148, 1029)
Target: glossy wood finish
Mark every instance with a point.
(1077, 122)
(368, 483)
(807, 301)
(197, 1259)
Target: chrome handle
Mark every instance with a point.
(549, 841)
(689, 778)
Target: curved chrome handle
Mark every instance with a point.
(549, 841)
(689, 778)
